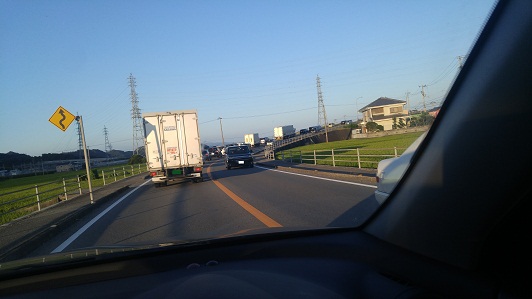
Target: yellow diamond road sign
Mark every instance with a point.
(62, 118)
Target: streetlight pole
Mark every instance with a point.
(222, 131)
(356, 108)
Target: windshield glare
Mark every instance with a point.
(131, 109)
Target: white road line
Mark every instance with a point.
(315, 177)
(90, 223)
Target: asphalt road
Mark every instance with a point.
(227, 202)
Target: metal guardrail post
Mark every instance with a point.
(395, 151)
(79, 185)
(332, 154)
(291, 161)
(114, 174)
(124, 170)
(358, 158)
(132, 170)
(315, 162)
(65, 189)
(103, 177)
(38, 200)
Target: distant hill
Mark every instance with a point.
(7, 161)
(12, 160)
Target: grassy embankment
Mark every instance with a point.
(370, 150)
(19, 193)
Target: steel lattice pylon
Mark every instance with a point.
(138, 138)
(322, 115)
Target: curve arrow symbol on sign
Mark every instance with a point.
(62, 119)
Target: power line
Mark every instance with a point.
(278, 113)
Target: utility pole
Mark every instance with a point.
(407, 102)
(322, 115)
(222, 131)
(460, 62)
(87, 158)
(138, 138)
(356, 109)
(80, 142)
(423, 95)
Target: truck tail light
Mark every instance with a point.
(153, 173)
(197, 169)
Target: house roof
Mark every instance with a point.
(382, 101)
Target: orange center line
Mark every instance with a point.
(269, 222)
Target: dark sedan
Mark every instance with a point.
(238, 156)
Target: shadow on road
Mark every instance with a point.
(358, 214)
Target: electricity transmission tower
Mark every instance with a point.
(108, 146)
(138, 139)
(322, 116)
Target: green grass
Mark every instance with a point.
(18, 195)
(370, 150)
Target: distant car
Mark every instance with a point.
(238, 156)
(206, 155)
(303, 131)
(214, 152)
(390, 171)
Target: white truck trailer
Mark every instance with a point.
(173, 147)
(283, 132)
(252, 139)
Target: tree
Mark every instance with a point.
(394, 126)
(401, 123)
(422, 119)
(372, 126)
(136, 159)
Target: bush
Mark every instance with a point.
(136, 159)
(95, 174)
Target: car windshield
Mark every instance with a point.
(238, 150)
(118, 117)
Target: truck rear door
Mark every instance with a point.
(153, 143)
(181, 146)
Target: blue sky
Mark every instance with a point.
(252, 63)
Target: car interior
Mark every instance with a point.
(456, 226)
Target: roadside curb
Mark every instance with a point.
(25, 245)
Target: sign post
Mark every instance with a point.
(62, 119)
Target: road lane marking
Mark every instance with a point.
(315, 177)
(269, 222)
(90, 223)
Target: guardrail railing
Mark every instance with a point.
(356, 157)
(20, 202)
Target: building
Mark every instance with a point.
(383, 111)
(434, 111)
(64, 168)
